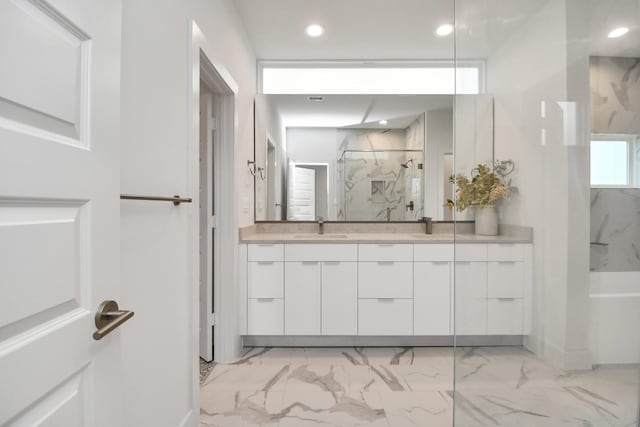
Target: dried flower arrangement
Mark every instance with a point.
(485, 187)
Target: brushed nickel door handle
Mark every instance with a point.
(109, 317)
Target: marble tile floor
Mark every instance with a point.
(397, 387)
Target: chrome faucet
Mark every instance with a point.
(320, 225)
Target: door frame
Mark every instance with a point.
(227, 340)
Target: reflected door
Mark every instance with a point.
(301, 204)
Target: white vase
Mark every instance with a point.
(486, 220)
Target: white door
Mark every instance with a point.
(301, 194)
(59, 211)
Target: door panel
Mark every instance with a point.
(339, 298)
(302, 300)
(55, 58)
(59, 211)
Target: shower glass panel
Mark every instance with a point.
(381, 185)
(546, 309)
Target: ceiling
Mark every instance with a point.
(404, 29)
(355, 111)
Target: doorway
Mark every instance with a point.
(308, 191)
(215, 154)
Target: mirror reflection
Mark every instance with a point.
(365, 157)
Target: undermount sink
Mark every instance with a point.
(321, 236)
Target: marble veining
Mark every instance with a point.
(615, 229)
(615, 94)
(371, 177)
(490, 386)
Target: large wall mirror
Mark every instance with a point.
(365, 157)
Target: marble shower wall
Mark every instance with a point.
(372, 178)
(615, 229)
(615, 94)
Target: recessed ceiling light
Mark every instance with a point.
(444, 30)
(314, 30)
(383, 122)
(618, 32)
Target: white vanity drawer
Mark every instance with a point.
(505, 279)
(266, 279)
(385, 317)
(320, 252)
(385, 279)
(471, 252)
(266, 252)
(265, 316)
(433, 252)
(505, 252)
(385, 252)
(505, 316)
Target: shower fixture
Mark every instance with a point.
(406, 164)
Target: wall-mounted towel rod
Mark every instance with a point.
(175, 199)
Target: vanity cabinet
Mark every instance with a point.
(339, 298)
(302, 283)
(321, 295)
(379, 289)
(265, 283)
(506, 289)
(470, 296)
(385, 289)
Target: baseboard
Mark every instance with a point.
(381, 341)
(534, 344)
(190, 420)
(567, 360)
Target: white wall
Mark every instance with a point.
(537, 70)
(155, 242)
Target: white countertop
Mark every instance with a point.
(377, 238)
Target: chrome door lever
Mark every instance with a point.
(109, 317)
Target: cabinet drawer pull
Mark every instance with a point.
(506, 299)
(439, 262)
(266, 299)
(266, 262)
(385, 262)
(309, 262)
(506, 262)
(265, 244)
(385, 299)
(463, 262)
(332, 262)
(385, 245)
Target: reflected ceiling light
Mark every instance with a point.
(314, 30)
(444, 30)
(383, 122)
(618, 32)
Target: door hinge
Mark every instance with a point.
(213, 319)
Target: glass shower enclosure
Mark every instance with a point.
(380, 185)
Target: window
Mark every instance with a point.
(437, 77)
(614, 161)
